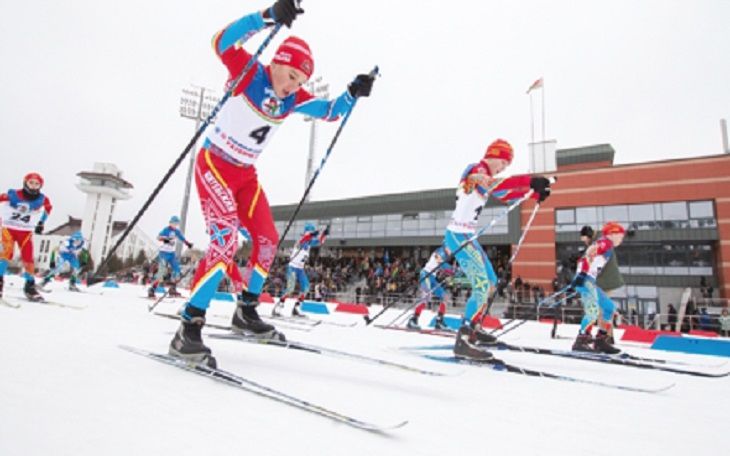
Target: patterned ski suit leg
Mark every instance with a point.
(255, 215)
(590, 299)
(477, 267)
(217, 182)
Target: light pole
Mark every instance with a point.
(318, 89)
(195, 103)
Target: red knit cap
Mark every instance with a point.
(35, 176)
(500, 149)
(295, 52)
(613, 228)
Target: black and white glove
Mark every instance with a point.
(167, 240)
(39, 228)
(541, 186)
(284, 12)
(361, 85)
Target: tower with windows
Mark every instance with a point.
(104, 186)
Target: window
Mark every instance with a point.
(674, 211)
(586, 215)
(701, 209)
(641, 213)
(616, 213)
(564, 216)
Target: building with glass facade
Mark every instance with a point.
(678, 210)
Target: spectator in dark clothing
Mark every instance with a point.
(672, 317)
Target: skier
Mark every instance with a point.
(477, 183)
(228, 187)
(68, 255)
(22, 212)
(429, 284)
(295, 270)
(167, 258)
(594, 299)
(609, 277)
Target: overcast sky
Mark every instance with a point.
(84, 81)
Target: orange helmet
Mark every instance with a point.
(499, 149)
(613, 228)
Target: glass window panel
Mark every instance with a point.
(364, 218)
(701, 209)
(676, 270)
(379, 218)
(674, 211)
(641, 212)
(564, 216)
(616, 213)
(426, 215)
(586, 215)
(674, 256)
(394, 217)
(646, 292)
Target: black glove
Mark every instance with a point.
(361, 85)
(52, 264)
(284, 12)
(167, 240)
(578, 281)
(189, 244)
(39, 228)
(326, 231)
(541, 186)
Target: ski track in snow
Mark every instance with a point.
(67, 389)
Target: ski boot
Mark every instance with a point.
(72, 285)
(482, 337)
(601, 344)
(151, 292)
(172, 291)
(187, 344)
(295, 312)
(439, 323)
(583, 343)
(2, 284)
(275, 310)
(466, 348)
(413, 323)
(246, 320)
(31, 293)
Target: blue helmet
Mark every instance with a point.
(174, 220)
(77, 236)
(309, 227)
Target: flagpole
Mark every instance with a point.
(532, 132)
(542, 89)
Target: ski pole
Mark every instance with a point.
(293, 217)
(451, 256)
(523, 321)
(539, 304)
(97, 277)
(151, 307)
(524, 233)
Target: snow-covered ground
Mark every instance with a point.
(67, 389)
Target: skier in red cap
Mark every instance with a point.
(225, 174)
(22, 212)
(594, 299)
(478, 182)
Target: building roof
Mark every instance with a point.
(598, 153)
(93, 175)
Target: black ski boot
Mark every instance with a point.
(279, 305)
(601, 344)
(482, 337)
(172, 291)
(187, 344)
(583, 343)
(72, 285)
(31, 293)
(151, 292)
(466, 348)
(440, 324)
(413, 323)
(2, 284)
(295, 312)
(246, 319)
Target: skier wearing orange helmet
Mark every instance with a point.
(22, 212)
(594, 299)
